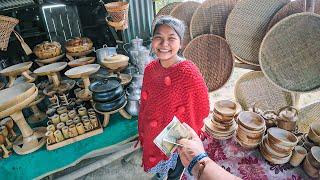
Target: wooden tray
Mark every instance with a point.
(82, 71)
(88, 134)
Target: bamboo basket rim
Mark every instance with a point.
(116, 6)
(257, 74)
(9, 19)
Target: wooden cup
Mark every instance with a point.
(299, 153)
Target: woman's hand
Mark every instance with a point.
(191, 147)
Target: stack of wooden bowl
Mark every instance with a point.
(221, 124)
(311, 164)
(277, 145)
(251, 128)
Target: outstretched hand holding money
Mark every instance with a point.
(190, 147)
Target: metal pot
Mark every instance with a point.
(106, 90)
(112, 105)
(104, 52)
(133, 107)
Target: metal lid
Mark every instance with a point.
(105, 85)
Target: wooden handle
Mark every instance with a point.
(106, 119)
(24, 45)
(29, 78)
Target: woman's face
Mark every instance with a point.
(166, 43)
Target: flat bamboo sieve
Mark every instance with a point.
(213, 56)
(211, 17)
(247, 25)
(166, 10)
(290, 53)
(292, 7)
(184, 12)
(253, 88)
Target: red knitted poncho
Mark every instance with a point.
(166, 92)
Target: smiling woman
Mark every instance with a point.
(172, 86)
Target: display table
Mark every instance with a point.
(248, 164)
(44, 162)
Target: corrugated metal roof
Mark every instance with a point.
(141, 14)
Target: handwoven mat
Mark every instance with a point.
(308, 115)
(184, 12)
(292, 7)
(213, 57)
(254, 88)
(211, 17)
(247, 25)
(166, 10)
(290, 53)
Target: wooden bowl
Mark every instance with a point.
(81, 61)
(248, 140)
(272, 151)
(282, 137)
(15, 94)
(115, 62)
(277, 147)
(251, 134)
(50, 68)
(16, 69)
(314, 156)
(251, 121)
(226, 107)
(272, 158)
(82, 71)
(314, 133)
(221, 118)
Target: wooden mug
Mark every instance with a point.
(58, 135)
(80, 128)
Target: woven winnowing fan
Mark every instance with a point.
(253, 88)
(211, 17)
(166, 10)
(290, 53)
(292, 7)
(307, 115)
(184, 12)
(247, 24)
(213, 57)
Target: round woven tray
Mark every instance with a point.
(247, 24)
(184, 12)
(292, 7)
(308, 115)
(289, 54)
(166, 10)
(211, 17)
(213, 56)
(254, 88)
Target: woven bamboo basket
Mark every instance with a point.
(253, 88)
(118, 11)
(7, 25)
(289, 54)
(213, 56)
(184, 12)
(292, 7)
(247, 25)
(166, 10)
(211, 17)
(308, 115)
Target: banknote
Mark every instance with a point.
(167, 139)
